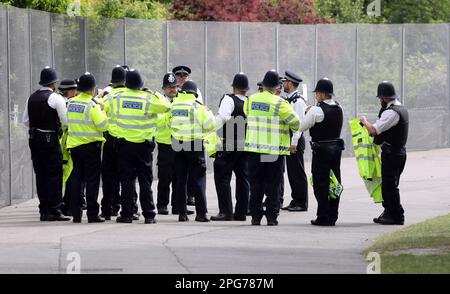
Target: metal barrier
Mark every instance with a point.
(356, 57)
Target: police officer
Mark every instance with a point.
(260, 87)
(231, 119)
(45, 115)
(295, 162)
(68, 89)
(136, 120)
(110, 171)
(183, 72)
(269, 119)
(166, 155)
(391, 132)
(190, 120)
(324, 122)
(87, 122)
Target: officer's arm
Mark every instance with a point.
(99, 118)
(246, 106)
(208, 120)
(288, 115)
(158, 104)
(107, 103)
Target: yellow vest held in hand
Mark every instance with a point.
(368, 158)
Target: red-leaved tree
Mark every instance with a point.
(283, 11)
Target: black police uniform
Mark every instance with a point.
(135, 161)
(296, 170)
(227, 162)
(86, 169)
(166, 165)
(185, 70)
(327, 150)
(393, 159)
(46, 154)
(295, 162)
(191, 166)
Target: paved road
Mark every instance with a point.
(30, 246)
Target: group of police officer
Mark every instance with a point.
(111, 134)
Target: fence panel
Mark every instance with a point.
(259, 50)
(222, 60)
(426, 85)
(104, 48)
(68, 46)
(145, 50)
(19, 75)
(4, 120)
(336, 51)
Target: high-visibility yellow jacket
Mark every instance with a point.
(110, 106)
(189, 119)
(163, 133)
(67, 159)
(137, 114)
(368, 159)
(87, 121)
(269, 119)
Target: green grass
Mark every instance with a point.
(430, 234)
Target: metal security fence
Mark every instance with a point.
(355, 57)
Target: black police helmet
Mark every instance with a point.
(271, 79)
(48, 76)
(170, 80)
(118, 75)
(324, 86)
(386, 90)
(86, 82)
(240, 81)
(134, 80)
(67, 84)
(189, 87)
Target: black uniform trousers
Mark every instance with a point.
(266, 175)
(192, 165)
(110, 177)
(86, 168)
(135, 161)
(327, 157)
(392, 165)
(166, 176)
(224, 165)
(297, 176)
(47, 164)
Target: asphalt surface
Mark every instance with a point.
(295, 246)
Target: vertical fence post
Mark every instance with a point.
(84, 41)
(403, 64)
(240, 46)
(448, 75)
(52, 47)
(205, 63)
(30, 56)
(166, 35)
(316, 42)
(124, 41)
(277, 26)
(8, 111)
(356, 70)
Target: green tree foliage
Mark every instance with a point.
(392, 11)
(416, 11)
(57, 6)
